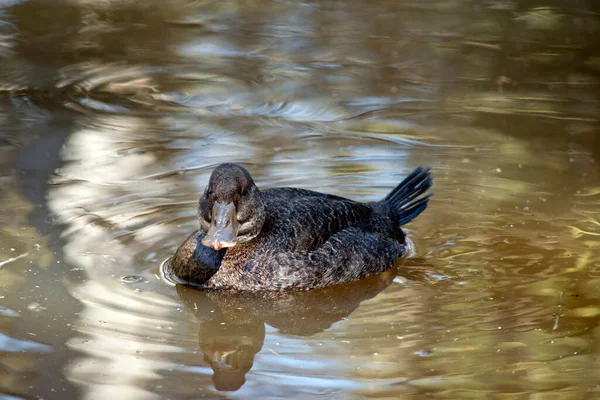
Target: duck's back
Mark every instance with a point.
(299, 219)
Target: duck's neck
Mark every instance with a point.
(252, 228)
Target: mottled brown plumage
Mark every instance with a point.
(291, 238)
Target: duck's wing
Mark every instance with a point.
(305, 220)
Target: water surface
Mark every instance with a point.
(113, 115)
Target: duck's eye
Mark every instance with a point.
(244, 192)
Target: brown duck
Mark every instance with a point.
(288, 238)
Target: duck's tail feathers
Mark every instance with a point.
(404, 200)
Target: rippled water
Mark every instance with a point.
(113, 114)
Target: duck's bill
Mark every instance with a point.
(223, 227)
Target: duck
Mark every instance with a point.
(291, 238)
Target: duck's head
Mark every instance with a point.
(230, 209)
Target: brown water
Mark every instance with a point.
(113, 114)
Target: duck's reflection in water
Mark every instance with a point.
(232, 324)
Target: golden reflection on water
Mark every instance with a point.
(475, 309)
(500, 298)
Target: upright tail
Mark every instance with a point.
(404, 199)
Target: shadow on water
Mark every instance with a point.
(232, 324)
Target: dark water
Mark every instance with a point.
(113, 114)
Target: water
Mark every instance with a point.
(113, 114)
